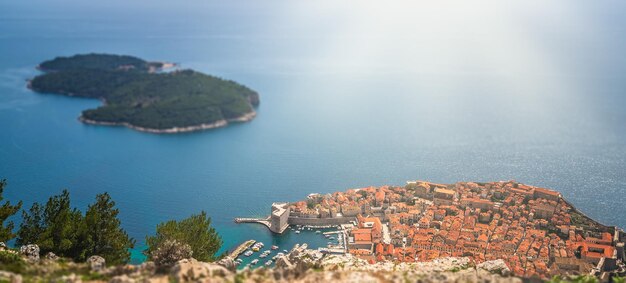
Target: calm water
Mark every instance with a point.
(352, 95)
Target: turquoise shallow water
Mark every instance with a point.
(351, 96)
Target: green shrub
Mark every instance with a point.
(11, 261)
(195, 231)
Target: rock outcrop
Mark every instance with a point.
(96, 263)
(6, 276)
(51, 256)
(495, 266)
(31, 252)
(191, 270)
(228, 263)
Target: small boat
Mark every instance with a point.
(255, 249)
(260, 244)
(298, 232)
(263, 256)
(274, 247)
(269, 262)
(318, 232)
(285, 251)
(248, 253)
(254, 261)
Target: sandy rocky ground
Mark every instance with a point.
(299, 265)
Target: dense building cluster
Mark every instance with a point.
(535, 230)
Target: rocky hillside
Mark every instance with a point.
(299, 265)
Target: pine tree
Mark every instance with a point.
(7, 210)
(32, 225)
(195, 231)
(104, 235)
(56, 228)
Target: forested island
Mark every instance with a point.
(140, 95)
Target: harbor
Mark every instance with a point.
(254, 253)
(341, 247)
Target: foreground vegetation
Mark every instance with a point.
(58, 230)
(136, 95)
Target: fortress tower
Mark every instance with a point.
(279, 217)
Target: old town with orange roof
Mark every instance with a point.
(534, 230)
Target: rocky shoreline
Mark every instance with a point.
(176, 130)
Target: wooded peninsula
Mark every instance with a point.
(142, 96)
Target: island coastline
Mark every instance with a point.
(176, 130)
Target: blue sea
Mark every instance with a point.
(353, 94)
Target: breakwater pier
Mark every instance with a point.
(241, 248)
(276, 222)
(280, 219)
(262, 221)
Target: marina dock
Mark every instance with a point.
(241, 248)
(342, 248)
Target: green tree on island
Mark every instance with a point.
(7, 210)
(195, 231)
(104, 235)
